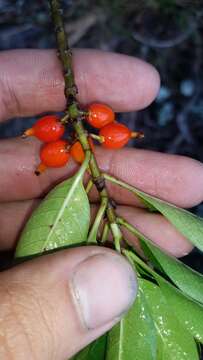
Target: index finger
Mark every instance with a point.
(31, 81)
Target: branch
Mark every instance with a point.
(76, 115)
(65, 54)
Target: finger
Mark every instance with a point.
(155, 226)
(14, 216)
(173, 178)
(31, 81)
(53, 314)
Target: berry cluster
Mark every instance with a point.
(56, 152)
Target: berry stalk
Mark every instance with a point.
(76, 114)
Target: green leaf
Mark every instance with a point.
(94, 351)
(190, 225)
(177, 342)
(188, 312)
(62, 219)
(187, 279)
(148, 253)
(134, 338)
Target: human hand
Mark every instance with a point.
(41, 314)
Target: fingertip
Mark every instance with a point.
(152, 85)
(147, 80)
(111, 268)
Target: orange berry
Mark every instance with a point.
(100, 115)
(53, 155)
(115, 136)
(47, 129)
(77, 151)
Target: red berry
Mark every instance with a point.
(47, 129)
(100, 115)
(54, 154)
(77, 151)
(115, 136)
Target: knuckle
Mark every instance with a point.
(25, 326)
(9, 101)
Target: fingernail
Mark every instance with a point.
(104, 287)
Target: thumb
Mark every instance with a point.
(53, 306)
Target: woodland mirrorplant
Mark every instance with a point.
(166, 320)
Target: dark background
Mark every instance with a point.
(167, 33)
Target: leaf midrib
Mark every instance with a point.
(62, 209)
(120, 354)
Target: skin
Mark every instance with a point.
(31, 83)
